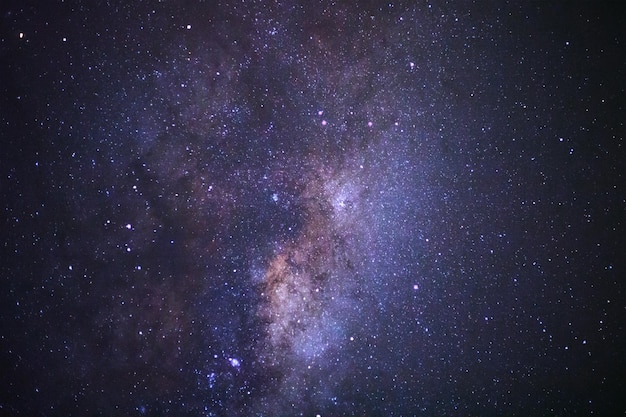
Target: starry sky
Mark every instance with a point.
(263, 208)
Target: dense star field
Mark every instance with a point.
(263, 208)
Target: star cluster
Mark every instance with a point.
(311, 208)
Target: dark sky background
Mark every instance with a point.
(247, 208)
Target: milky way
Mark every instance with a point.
(315, 283)
(260, 208)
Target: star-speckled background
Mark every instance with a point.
(245, 208)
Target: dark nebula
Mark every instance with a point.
(264, 208)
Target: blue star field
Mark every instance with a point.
(264, 208)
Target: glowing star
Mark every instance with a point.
(234, 362)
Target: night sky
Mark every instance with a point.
(263, 208)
